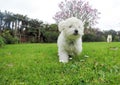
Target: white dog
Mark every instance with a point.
(70, 39)
(109, 38)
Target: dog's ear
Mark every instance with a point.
(61, 26)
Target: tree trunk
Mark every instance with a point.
(15, 33)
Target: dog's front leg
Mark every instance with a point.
(63, 57)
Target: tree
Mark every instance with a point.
(1, 20)
(77, 8)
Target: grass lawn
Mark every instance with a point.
(37, 64)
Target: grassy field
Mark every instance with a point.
(37, 64)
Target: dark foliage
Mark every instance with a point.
(2, 43)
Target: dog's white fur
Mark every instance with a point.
(109, 38)
(70, 39)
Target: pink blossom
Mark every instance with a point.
(79, 9)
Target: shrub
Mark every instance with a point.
(100, 38)
(116, 38)
(93, 38)
(15, 40)
(2, 43)
(89, 38)
(51, 36)
(9, 39)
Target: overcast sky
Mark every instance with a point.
(45, 9)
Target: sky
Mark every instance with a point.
(45, 10)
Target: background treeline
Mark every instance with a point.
(17, 28)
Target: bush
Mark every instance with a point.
(9, 39)
(93, 38)
(116, 38)
(15, 40)
(32, 39)
(100, 38)
(2, 43)
(51, 36)
(89, 38)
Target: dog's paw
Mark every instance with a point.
(63, 61)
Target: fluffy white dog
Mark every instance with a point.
(70, 39)
(109, 38)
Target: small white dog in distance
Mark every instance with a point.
(70, 39)
(109, 38)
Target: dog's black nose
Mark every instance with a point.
(76, 31)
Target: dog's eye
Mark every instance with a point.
(70, 26)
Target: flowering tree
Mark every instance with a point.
(77, 8)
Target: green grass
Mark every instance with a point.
(37, 64)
